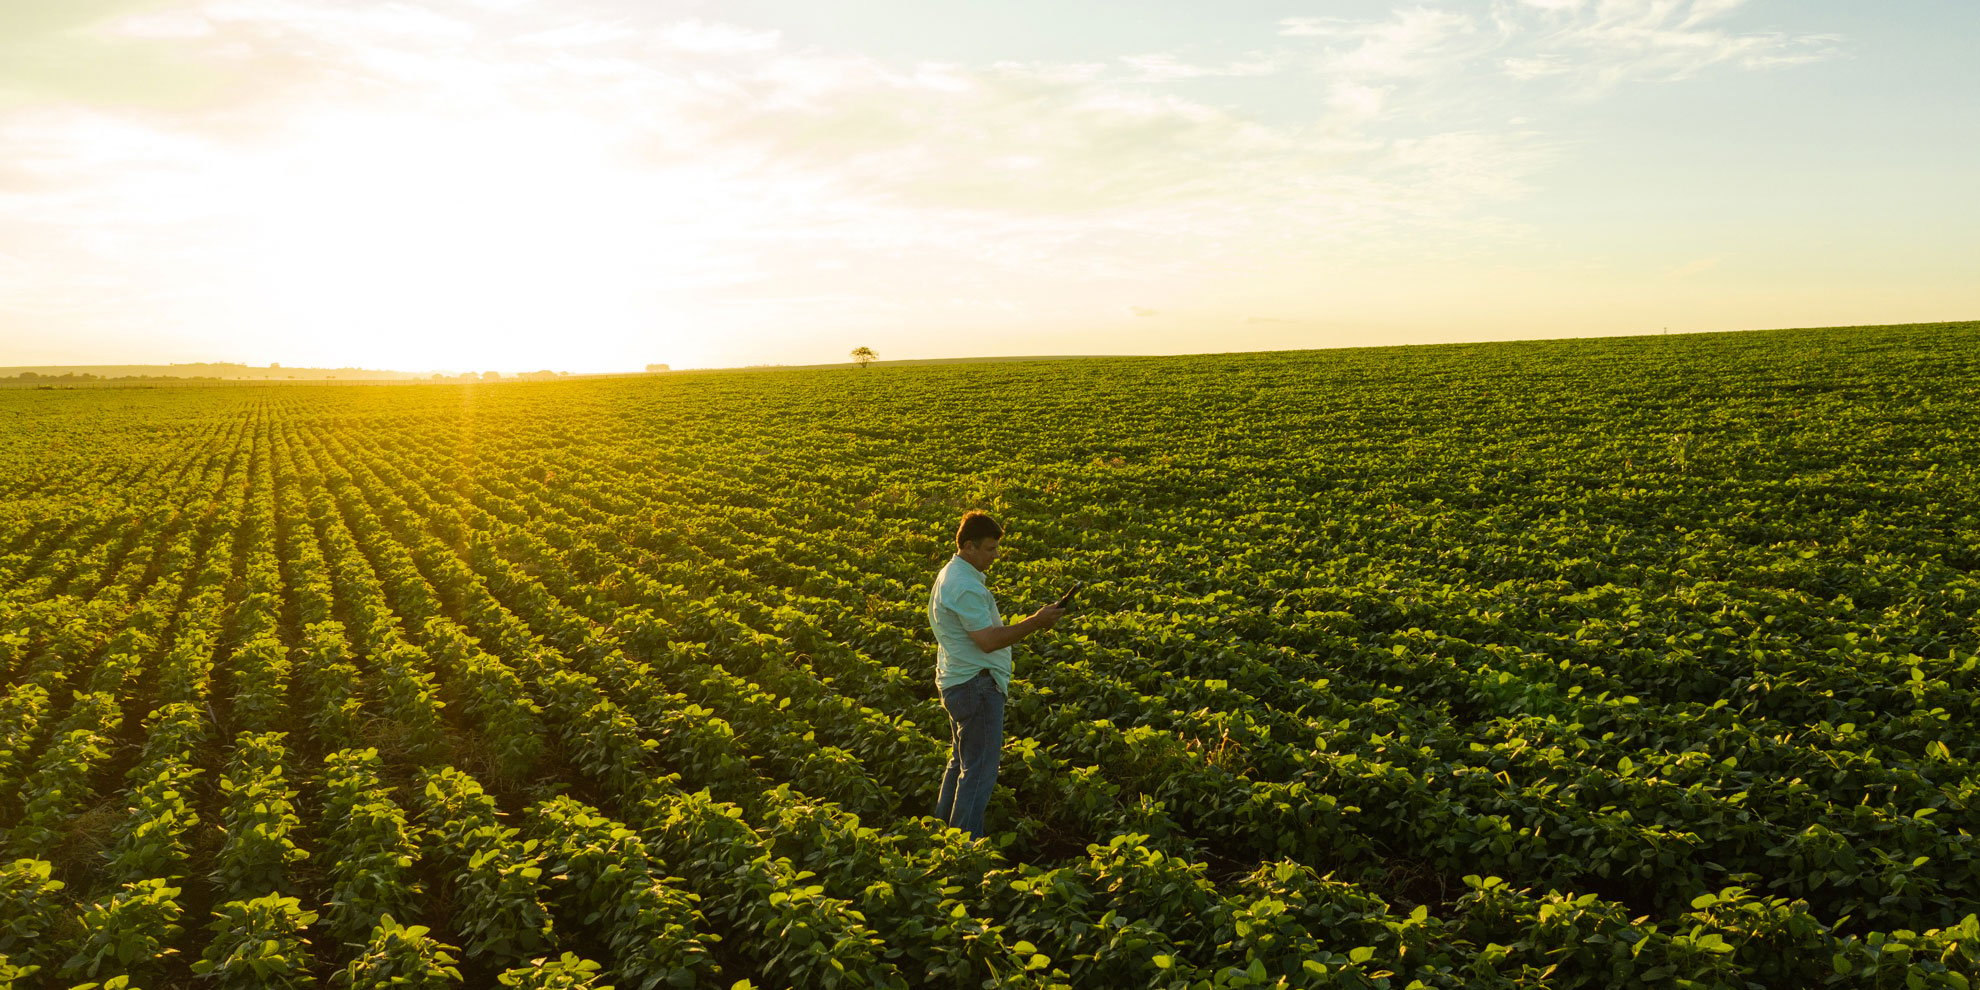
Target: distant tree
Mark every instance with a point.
(865, 356)
(274, 364)
(658, 367)
(489, 376)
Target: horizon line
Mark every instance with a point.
(426, 375)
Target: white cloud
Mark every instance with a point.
(159, 26)
(1619, 41)
(707, 38)
(1696, 266)
(582, 34)
(1356, 101)
(1162, 67)
(1537, 66)
(1470, 166)
(1052, 72)
(1590, 45)
(1414, 42)
(1708, 10)
(1317, 27)
(344, 24)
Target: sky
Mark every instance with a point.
(595, 185)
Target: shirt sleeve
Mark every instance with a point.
(974, 607)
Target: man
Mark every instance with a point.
(973, 669)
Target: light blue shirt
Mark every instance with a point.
(960, 602)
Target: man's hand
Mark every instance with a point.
(1047, 617)
(995, 638)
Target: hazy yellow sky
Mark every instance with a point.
(592, 185)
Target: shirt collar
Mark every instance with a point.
(967, 566)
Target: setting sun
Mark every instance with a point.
(461, 243)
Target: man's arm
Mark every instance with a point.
(990, 639)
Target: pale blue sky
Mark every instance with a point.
(594, 185)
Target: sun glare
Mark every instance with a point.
(412, 243)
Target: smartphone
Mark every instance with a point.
(1066, 600)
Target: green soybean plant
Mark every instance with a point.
(258, 944)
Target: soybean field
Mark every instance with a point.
(1644, 661)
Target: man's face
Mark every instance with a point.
(980, 553)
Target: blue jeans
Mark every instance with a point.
(976, 741)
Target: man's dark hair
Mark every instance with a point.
(978, 526)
